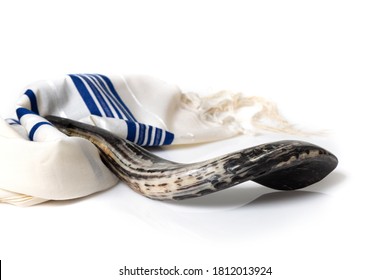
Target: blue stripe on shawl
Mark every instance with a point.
(84, 92)
(111, 99)
(33, 101)
(117, 97)
(35, 127)
(98, 95)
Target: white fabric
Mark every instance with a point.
(56, 167)
(60, 169)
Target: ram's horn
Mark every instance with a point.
(282, 165)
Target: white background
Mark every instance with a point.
(325, 63)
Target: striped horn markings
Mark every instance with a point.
(282, 165)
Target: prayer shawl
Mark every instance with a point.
(40, 163)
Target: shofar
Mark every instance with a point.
(282, 165)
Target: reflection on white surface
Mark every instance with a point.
(246, 211)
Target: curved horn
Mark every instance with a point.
(282, 165)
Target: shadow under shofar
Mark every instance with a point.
(281, 165)
(312, 191)
(248, 195)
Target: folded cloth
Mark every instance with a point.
(41, 163)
